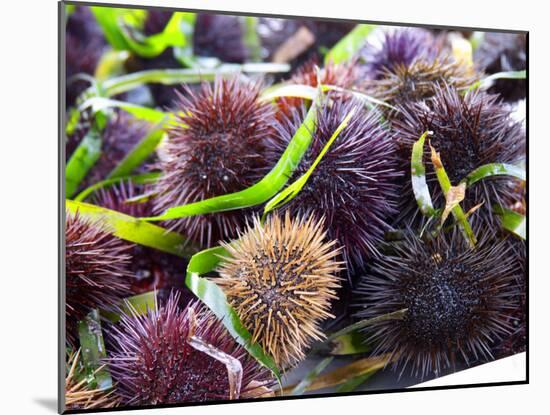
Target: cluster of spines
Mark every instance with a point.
(399, 48)
(468, 131)
(281, 278)
(173, 355)
(355, 184)
(457, 301)
(216, 148)
(97, 270)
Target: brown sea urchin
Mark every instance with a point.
(418, 81)
(219, 149)
(281, 279)
(173, 355)
(458, 301)
(97, 270)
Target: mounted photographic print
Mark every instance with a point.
(263, 207)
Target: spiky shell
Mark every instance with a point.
(343, 75)
(219, 150)
(399, 48)
(281, 278)
(354, 186)
(469, 131)
(418, 81)
(458, 301)
(97, 270)
(172, 355)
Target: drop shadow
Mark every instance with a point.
(48, 403)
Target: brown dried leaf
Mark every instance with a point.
(454, 196)
(345, 373)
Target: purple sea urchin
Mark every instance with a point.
(500, 52)
(281, 278)
(516, 341)
(220, 150)
(97, 270)
(458, 301)
(354, 186)
(172, 355)
(219, 36)
(468, 131)
(399, 48)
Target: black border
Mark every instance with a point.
(61, 211)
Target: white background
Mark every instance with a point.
(28, 194)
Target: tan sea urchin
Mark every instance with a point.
(281, 278)
(78, 394)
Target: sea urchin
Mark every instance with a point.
(281, 278)
(468, 131)
(354, 184)
(170, 355)
(458, 301)
(399, 48)
(219, 149)
(97, 270)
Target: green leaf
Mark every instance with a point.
(396, 315)
(288, 90)
(291, 191)
(350, 343)
(138, 304)
(350, 44)
(457, 211)
(97, 104)
(82, 160)
(512, 221)
(259, 192)
(173, 35)
(355, 382)
(137, 179)
(108, 20)
(133, 230)
(93, 351)
(131, 81)
(487, 82)
(418, 178)
(141, 152)
(252, 38)
(110, 64)
(361, 96)
(215, 299)
(117, 25)
(308, 92)
(494, 169)
(301, 387)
